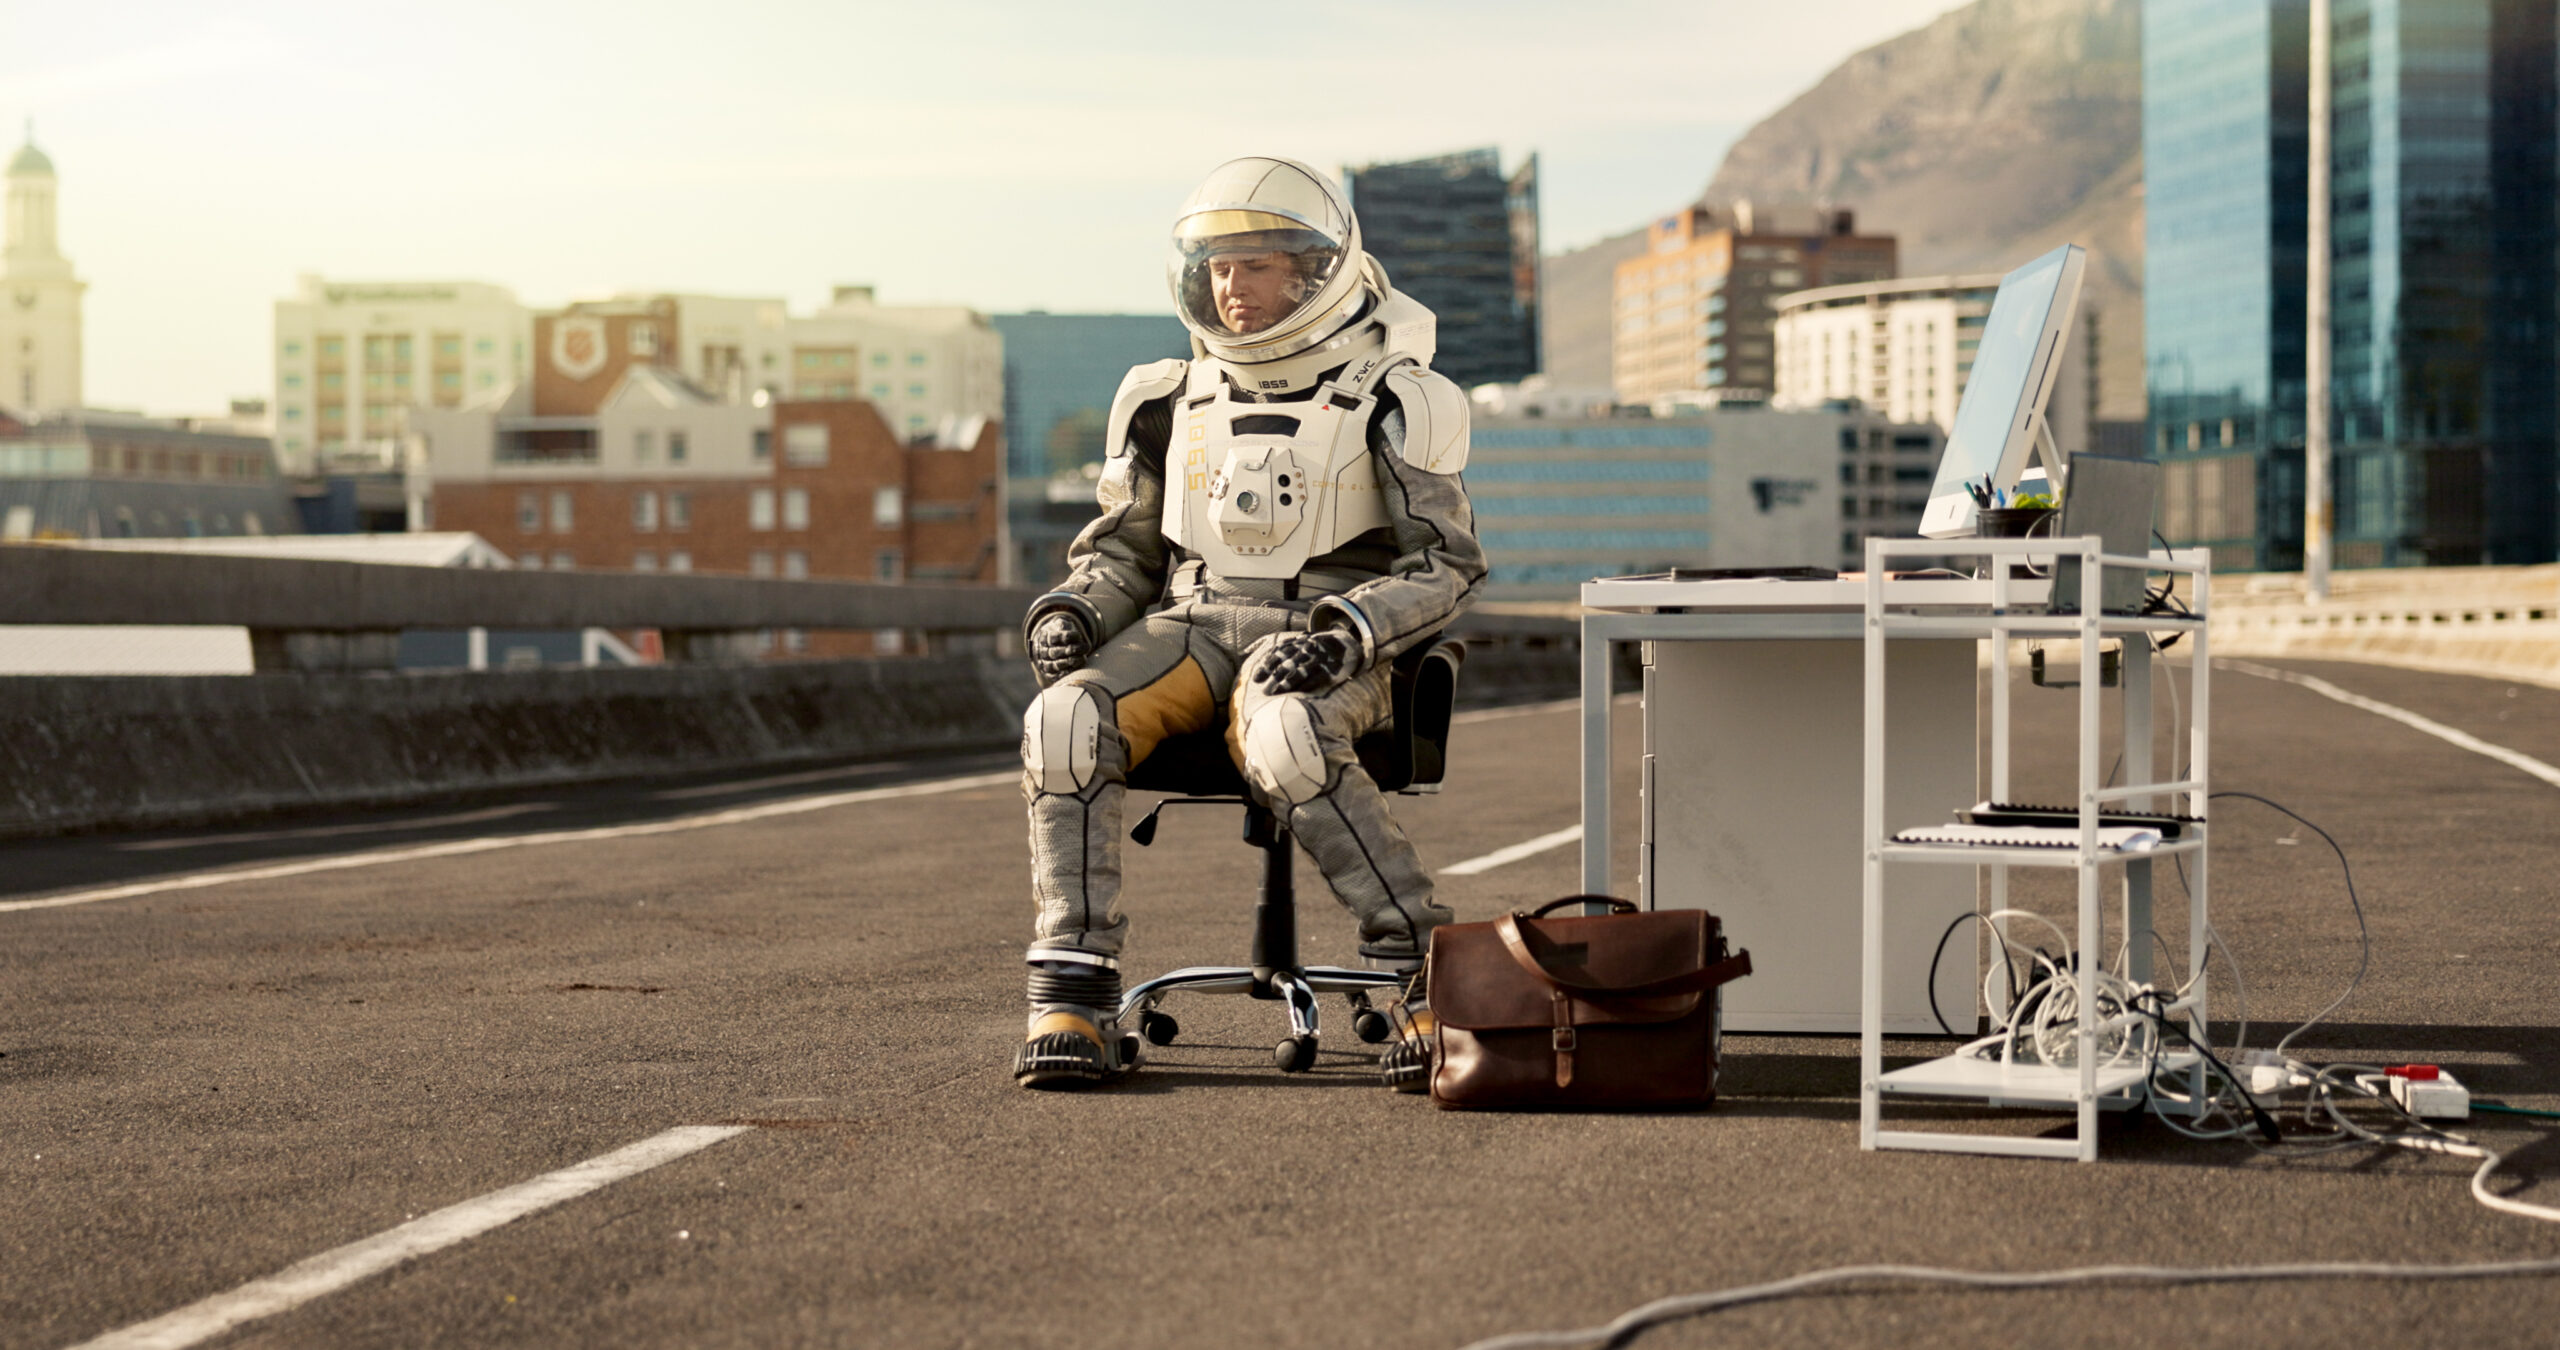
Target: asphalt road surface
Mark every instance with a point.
(377, 1017)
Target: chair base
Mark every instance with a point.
(1297, 988)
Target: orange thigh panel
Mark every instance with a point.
(1178, 702)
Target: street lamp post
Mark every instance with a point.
(2315, 309)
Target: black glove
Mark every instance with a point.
(1306, 661)
(1058, 648)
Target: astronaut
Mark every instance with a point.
(1281, 517)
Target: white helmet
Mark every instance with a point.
(1266, 260)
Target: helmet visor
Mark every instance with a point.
(1240, 272)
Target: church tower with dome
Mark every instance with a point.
(39, 296)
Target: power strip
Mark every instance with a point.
(2429, 1093)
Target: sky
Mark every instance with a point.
(1003, 155)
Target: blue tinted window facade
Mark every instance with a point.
(2443, 292)
(1456, 235)
(1060, 371)
(1600, 504)
(2445, 277)
(2223, 140)
(1587, 471)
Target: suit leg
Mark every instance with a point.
(1297, 751)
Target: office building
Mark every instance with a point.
(1457, 235)
(610, 457)
(40, 324)
(1694, 311)
(2442, 287)
(919, 365)
(1060, 371)
(1904, 348)
(1560, 501)
(86, 474)
(351, 359)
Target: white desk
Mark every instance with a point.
(1752, 785)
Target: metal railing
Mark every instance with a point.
(304, 615)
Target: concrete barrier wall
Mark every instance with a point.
(129, 753)
(2495, 622)
(133, 753)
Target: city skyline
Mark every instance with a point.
(994, 155)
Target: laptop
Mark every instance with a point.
(2112, 499)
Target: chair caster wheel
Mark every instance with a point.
(1371, 1026)
(1295, 1055)
(1158, 1028)
(1129, 1052)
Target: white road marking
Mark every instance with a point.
(333, 831)
(460, 847)
(2439, 730)
(1529, 848)
(778, 780)
(333, 1270)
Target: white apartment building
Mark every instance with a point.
(924, 367)
(920, 365)
(40, 318)
(1905, 347)
(352, 358)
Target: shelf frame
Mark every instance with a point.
(1894, 608)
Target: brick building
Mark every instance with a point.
(1695, 310)
(610, 458)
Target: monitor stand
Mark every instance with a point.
(2049, 457)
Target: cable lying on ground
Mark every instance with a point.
(1620, 1331)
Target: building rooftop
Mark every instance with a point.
(30, 161)
(1862, 291)
(447, 549)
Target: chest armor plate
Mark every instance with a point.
(1261, 503)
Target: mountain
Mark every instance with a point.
(1992, 134)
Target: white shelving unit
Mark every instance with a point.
(1909, 608)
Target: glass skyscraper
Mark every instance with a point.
(2443, 284)
(2224, 92)
(2444, 289)
(1060, 371)
(1458, 236)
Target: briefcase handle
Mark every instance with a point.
(1704, 978)
(1616, 905)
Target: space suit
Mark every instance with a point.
(1282, 516)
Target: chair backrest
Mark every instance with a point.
(1409, 752)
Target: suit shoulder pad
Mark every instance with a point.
(1141, 386)
(1435, 418)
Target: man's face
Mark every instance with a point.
(1254, 290)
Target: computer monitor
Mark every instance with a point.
(2002, 411)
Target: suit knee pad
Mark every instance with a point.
(1282, 755)
(1062, 738)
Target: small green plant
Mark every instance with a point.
(2032, 501)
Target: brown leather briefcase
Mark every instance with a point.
(1614, 1010)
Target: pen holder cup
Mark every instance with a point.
(2011, 522)
(2014, 522)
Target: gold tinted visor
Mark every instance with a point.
(1202, 227)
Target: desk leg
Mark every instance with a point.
(2137, 769)
(1595, 759)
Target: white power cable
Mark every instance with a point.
(1691, 1305)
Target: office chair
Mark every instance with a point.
(1407, 754)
